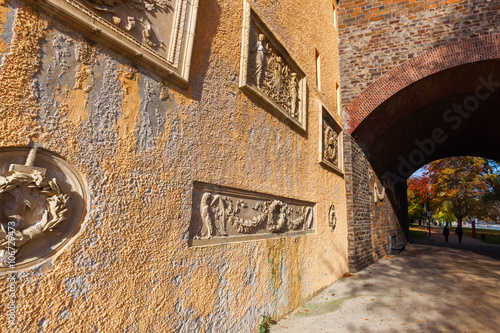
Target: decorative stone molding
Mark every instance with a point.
(41, 207)
(378, 195)
(332, 218)
(223, 215)
(330, 142)
(157, 34)
(269, 74)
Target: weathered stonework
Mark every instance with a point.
(223, 215)
(156, 33)
(141, 142)
(332, 218)
(268, 72)
(331, 143)
(43, 202)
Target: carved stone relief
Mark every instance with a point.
(224, 215)
(332, 218)
(331, 141)
(158, 34)
(268, 73)
(378, 195)
(41, 206)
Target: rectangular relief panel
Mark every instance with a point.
(223, 215)
(157, 34)
(330, 143)
(269, 74)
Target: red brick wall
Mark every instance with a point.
(384, 47)
(377, 36)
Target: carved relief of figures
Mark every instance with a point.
(29, 189)
(330, 152)
(268, 73)
(213, 214)
(294, 85)
(261, 49)
(332, 218)
(330, 144)
(118, 11)
(217, 212)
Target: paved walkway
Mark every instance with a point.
(431, 287)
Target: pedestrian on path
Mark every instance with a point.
(446, 233)
(459, 232)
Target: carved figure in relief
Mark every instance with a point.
(294, 95)
(261, 49)
(276, 217)
(105, 6)
(305, 218)
(26, 184)
(330, 144)
(213, 213)
(217, 211)
(378, 195)
(332, 218)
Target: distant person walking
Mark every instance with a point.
(459, 232)
(446, 233)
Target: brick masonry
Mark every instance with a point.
(377, 36)
(370, 223)
(386, 46)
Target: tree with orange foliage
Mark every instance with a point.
(459, 180)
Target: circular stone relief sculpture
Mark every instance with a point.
(43, 201)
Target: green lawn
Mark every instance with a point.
(492, 236)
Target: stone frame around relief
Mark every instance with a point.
(326, 119)
(221, 215)
(58, 195)
(253, 25)
(143, 42)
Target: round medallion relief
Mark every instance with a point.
(43, 201)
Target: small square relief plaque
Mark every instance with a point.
(157, 34)
(269, 74)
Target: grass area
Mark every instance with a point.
(492, 236)
(418, 232)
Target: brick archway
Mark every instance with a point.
(439, 59)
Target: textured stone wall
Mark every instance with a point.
(140, 143)
(376, 36)
(370, 223)
(384, 47)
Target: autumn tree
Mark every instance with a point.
(460, 181)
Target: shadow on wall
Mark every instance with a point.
(207, 24)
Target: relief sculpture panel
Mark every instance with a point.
(330, 148)
(157, 34)
(269, 74)
(42, 203)
(222, 215)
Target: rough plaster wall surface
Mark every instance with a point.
(140, 143)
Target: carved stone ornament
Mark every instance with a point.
(41, 207)
(157, 34)
(330, 147)
(378, 195)
(269, 74)
(222, 215)
(332, 218)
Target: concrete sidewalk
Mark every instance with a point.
(432, 287)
